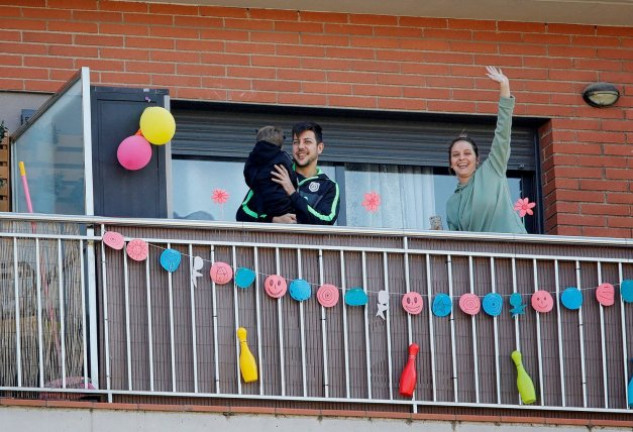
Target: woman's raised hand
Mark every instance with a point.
(497, 75)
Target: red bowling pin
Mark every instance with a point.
(409, 377)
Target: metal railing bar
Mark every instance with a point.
(282, 362)
(150, 333)
(62, 311)
(624, 344)
(451, 317)
(581, 337)
(258, 320)
(216, 354)
(539, 348)
(84, 309)
(561, 363)
(603, 347)
(345, 330)
(40, 333)
(324, 347)
(172, 338)
(388, 326)
(18, 327)
(316, 229)
(236, 321)
(367, 341)
(473, 329)
(194, 331)
(302, 331)
(429, 293)
(128, 341)
(495, 324)
(106, 323)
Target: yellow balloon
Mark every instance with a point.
(157, 125)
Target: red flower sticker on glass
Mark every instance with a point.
(371, 202)
(220, 196)
(524, 206)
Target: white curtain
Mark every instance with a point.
(407, 197)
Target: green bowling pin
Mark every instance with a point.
(524, 382)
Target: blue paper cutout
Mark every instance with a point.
(170, 260)
(493, 304)
(516, 300)
(571, 298)
(442, 305)
(300, 290)
(626, 290)
(356, 297)
(244, 277)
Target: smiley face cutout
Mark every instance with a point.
(542, 301)
(412, 303)
(275, 286)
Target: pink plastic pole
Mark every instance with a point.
(25, 184)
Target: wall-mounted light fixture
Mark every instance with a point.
(601, 94)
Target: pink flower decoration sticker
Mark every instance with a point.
(605, 294)
(470, 304)
(328, 295)
(542, 301)
(114, 240)
(221, 273)
(220, 196)
(371, 202)
(137, 249)
(524, 206)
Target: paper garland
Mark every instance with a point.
(328, 295)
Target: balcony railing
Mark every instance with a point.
(81, 318)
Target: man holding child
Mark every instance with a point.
(313, 199)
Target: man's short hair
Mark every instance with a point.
(301, 127)
(271, 134)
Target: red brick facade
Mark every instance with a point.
(357, 61)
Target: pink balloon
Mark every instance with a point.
(134, 152)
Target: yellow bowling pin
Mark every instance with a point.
(524, 382)
(248, 366)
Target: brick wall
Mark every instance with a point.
(357, 61)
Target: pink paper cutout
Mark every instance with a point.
(371, 202)
(220, 196)
(113, 239)
(470, 304)
(137, 249)
(523, 206)
(275, 286)
(605, 294)
(221, 273)
(328, 295)
(542, 301)
(412, 303)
